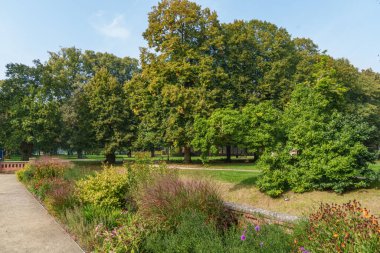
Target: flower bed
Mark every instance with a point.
(145, 208)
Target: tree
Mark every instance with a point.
(324, 146)
(112, 121)
(184, 73)
(260, 61)
(70, 71)
(32, 116)
(261, 127)
(150, 131)
(224, 127)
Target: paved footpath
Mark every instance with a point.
(25, 226)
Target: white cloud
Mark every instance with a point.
(114, 29)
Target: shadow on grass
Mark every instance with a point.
(246, 183)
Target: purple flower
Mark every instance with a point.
(257, 228)
(242, 237)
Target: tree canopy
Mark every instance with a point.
(201, 85)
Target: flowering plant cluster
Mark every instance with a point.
(341, 228)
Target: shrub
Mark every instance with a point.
(43, 168)
(126, 238)
(47, 167)
(166, 198)
(108, 188)
(195, 233)
(82, 221)
(25, 174)
(340, 228)
(59, 196)
(254, 238)
(143, 172)
(40, 187)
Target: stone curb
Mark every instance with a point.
(250, 210)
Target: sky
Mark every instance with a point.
(29, 29)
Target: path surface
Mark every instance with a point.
(186, 167)
(25, 226)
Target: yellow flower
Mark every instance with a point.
(335, 235)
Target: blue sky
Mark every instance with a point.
(28, 29)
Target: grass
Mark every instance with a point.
(236, 177)
(239, 187)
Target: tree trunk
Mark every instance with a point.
(26, 150)
(255, 156)
(168, 158)
(152, 152)
(80, 154)
(130, 153)
(111, 158)
(228, 153)
(187, 154)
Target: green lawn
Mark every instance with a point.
(237, 177)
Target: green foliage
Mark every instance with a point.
(182, 75)
(260, 60)
(261, 126)
(222, 128)
(83, 221)
(339, 228)
(126, 238)
(192, 234)
(108, 188)
(329, 144)
(31, 116)
(195, 233)
(112, 121)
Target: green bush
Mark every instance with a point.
(346, 228)
(261, 239)
(195, 233)
(25, 174)
(324, 148)
(43, 168)
(165, 199)
(40, 187)
(126, 238)
(85, 221)
(108, 188)
(192, 234)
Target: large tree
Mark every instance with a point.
(183, 67)
(224, 128)
(112, 121)
(32, 118)
(260, 61)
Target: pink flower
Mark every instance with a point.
(242, 237)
